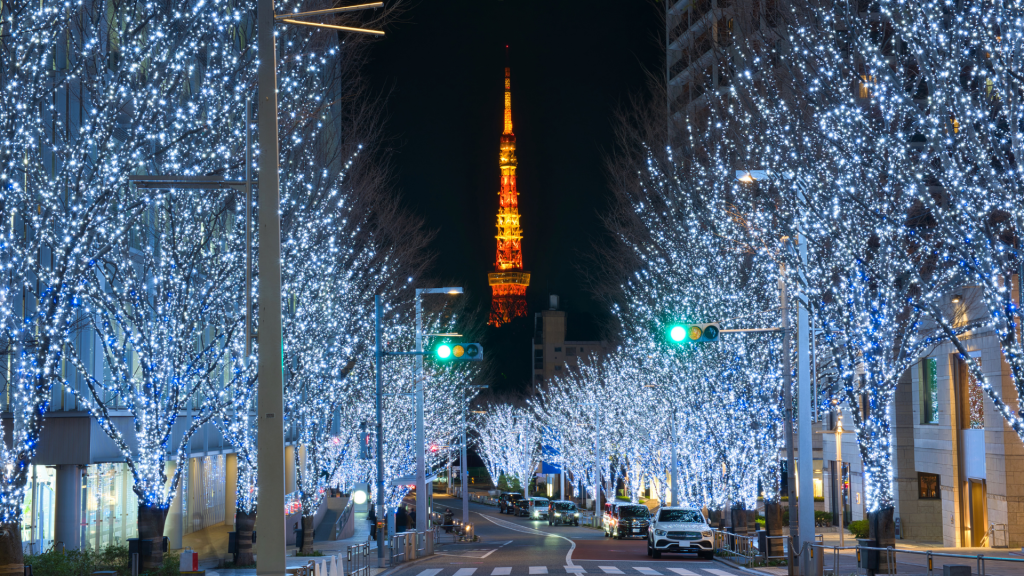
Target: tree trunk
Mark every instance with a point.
(307, 535)
(739, 519)
(244, 524)
(11, 556)
(773, 525)
(882, 533)
(151, 528)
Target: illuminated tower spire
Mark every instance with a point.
(508, 281)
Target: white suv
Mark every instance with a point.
(680, 531)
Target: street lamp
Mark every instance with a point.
(270, 415)
(421, 463)
(464, 469)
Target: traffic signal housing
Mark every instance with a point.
(459, 352)
(682, 333)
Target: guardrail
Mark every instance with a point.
(488, 500)
(357, 560)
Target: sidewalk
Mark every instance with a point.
(908, 559)
(212, 545)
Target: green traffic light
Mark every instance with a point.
(444, 351)
(678, 333)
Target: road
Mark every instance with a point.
(511, 546)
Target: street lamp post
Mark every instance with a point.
(421, 463)
(464, 465)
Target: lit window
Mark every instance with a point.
(865, 86)
(928, 486)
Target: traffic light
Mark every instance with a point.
(681, 333)
(450, 351)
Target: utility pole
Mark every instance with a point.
(805, 401)
(787, 399)
(378, 350)
(270, 548)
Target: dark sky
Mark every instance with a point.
(573, 65)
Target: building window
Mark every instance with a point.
(570, 350)
(928, 486)
(558, 348)
(929, 391)
(864, 86)
(559, 367)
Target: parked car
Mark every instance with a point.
(680, 530)
(507, 502)
(625, 520)
(534, 508)
(563, 512)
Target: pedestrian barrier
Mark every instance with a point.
(357, 560)
(730, 544)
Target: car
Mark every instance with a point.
(534, 508)
(625, 520)
(507, 502)
(563, 512)
(680, 530)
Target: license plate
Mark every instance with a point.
(636, 530)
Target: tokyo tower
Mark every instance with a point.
(508, 281)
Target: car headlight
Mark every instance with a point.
(659, 532)
(577, 514)
(536, 513)
(557, 514)
(706, 533)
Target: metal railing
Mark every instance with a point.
(730, 544)
(890, 557)
(397, 551)
(485, 499)
(990, 536)
(357, 560)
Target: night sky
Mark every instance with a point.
(574, 64)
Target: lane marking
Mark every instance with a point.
(575, 570)
(683, 572)
(465, 571)
(614, 570)
(506, 570)
(718, 572)
(522, 529)
(647, 571)
(429, 572)
(538, 569)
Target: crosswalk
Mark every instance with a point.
(576, 569)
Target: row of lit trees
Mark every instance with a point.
(133, 299)
(871, 163)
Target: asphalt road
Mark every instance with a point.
(511, 546)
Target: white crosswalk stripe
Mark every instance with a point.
(505, 571)
(647, 571)
(538, 569)
(610, 570)
(430, 572)
(683, 572)
(465, 572)
(575, 570)
(718, 572)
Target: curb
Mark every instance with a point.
(736, 566)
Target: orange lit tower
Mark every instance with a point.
(508, 281)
